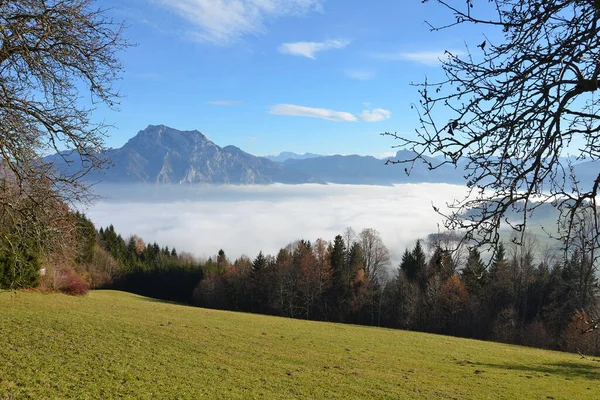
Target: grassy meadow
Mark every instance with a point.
(117, 345)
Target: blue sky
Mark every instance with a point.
(322, 76)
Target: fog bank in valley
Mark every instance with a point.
(246, 219)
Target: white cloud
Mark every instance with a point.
(431, 58)
(223, 22)
(301, 111)
(375, 115)
(199, 219)
(309, 49)
(360, 74)
(252, 139)
(224, 103)
(386, 154)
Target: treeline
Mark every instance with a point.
(522, 296)
(148, 269)
(85, 258)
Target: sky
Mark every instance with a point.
(321, 76)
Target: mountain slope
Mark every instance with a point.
(159, 154)
(369, 170)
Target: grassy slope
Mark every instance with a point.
(112, 344)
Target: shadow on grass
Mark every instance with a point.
(583, 369)
(146, 297)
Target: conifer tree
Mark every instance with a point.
(409, 265)
(475, 275)
(258, 265)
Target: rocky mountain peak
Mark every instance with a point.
(161, 139)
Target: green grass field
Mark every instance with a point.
(118, 345)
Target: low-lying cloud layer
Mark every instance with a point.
(247, 219)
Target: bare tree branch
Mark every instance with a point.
(507, 112)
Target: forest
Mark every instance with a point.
(523, 295)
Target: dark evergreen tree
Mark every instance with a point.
(409, 265)
(414, 265)
(475, 275)
(258, 265)
(337, 257)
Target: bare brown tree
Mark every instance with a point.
(511, 107)
(376, 256)
(52, 52)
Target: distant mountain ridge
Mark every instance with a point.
(159, 154)
(368, 170)
(288, 155)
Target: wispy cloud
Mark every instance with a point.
(360, 74)
(302, 111)
(224, 103)
(252, 139)
(375, 115)
(223, 22)
(431, 58)
(309, 49)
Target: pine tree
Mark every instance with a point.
(258, 265)
(420, 264)
(409, 265)
(475, 275)
(337, 256)
(499, 263)
(257, 282)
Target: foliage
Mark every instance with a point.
(526, 297)
(575, 338)
(148, 269)
(72, 284)
(51, 53)
(19, 263)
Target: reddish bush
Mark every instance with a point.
(72, 284)
(575, 337)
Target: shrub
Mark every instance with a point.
(72, 284)
(575, 338)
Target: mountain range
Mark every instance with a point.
(288, 155)
(160, 154)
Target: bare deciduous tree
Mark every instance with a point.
(376, 256)
(52, 52)
(511, 107)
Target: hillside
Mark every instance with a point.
(368, 170)
(159, 154)
(112, 344)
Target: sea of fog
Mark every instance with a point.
(247, 219)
